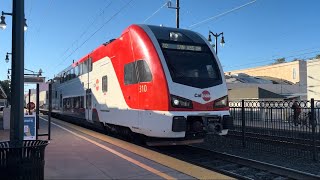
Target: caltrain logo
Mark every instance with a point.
(205, 95)
(97, 84)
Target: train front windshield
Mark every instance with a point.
(191, 65)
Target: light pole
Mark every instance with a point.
(17, 77)
(216, 37)
(177, 8)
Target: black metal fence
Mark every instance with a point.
(276, 126)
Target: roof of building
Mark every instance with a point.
(244, 78)
(252, 93)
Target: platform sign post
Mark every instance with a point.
(29, 127)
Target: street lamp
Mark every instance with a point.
(3, 23)
(7, 57)
(216, 36)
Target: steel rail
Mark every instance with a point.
(272, 168)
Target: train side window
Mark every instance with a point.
(76, 71)
(80, 69)
(60, 100)
(90, 64)
(88, 101)
(85, 67)
(73, 75)
(130, 75)
(64, 76)
(144, 71)
(81, 101)
(104, 84)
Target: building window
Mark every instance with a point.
(294, 73)
(104, 84)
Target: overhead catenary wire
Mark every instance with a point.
(42, 20)
(221, 14)
(154, 13)
(114, 15)
(87, 29)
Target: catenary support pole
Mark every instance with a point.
(177, 12)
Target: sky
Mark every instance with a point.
(60, 31)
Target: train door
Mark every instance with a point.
(89, 105)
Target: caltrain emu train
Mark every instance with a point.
(163, 84)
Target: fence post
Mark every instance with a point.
(243, 124)
(313, 121)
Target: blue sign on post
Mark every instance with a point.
(29, 127)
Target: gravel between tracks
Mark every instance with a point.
(272, 155)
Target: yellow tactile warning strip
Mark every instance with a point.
(181, 166)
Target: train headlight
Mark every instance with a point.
(221, 103)
(180, 102)
(176, 102)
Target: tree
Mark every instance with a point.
(6, 87)
(279, 61)
(318, 56)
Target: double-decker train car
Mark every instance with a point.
(163, 84)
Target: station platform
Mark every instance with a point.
(78, 153)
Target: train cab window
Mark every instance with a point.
(130, 75)
(144, 71)
(104, 84)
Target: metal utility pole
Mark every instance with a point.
(177, 8)
(17, 76)
(178, 12)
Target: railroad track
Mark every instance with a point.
(234, 166)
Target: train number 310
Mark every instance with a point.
(143, 88)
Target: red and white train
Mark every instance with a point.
(163, 83)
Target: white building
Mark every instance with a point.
(313, 79)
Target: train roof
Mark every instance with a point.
(161, 33)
